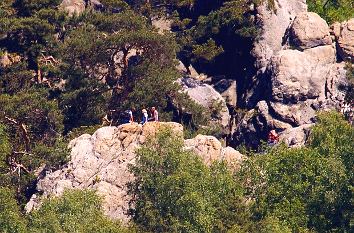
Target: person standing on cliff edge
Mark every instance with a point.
(145, 117)
(154, 114)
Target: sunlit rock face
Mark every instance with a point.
(298, 75)
(101, 162)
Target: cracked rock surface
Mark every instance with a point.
(299, 78)
(101, 162)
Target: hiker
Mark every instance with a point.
(273, 138)
(128, 116)
(145, 117)
(345, 108)
(154, 114)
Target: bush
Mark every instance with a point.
(11, 220)
(76, 211)
(332, 10)
(176, 192)
(307, 188)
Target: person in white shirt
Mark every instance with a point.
(145, 117)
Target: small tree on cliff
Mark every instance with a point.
(31, 138)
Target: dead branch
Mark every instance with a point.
(23, 129)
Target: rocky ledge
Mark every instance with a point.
(101, 162)
(300, 71)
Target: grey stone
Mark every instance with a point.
(346, 40)
(206, 96)
(101, 162)
(274, 24)
(309, 30)
(73, 6)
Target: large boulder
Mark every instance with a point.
(73, 7)
(274, 23)
(210, 149)
(297, 75)
(309, 30)
(101, 162)
(296, 137)
(345, 39)
(207, 96)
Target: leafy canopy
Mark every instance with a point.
(332, 10)
(176, 192)
(307, 188)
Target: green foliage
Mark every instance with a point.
(136, 63)
(307, 188)
(5, 147)
(207, 51)
(29, 7)
(333, 137)
(11, 220)
(15, 78)
(33, 109)
(32, 137)
(208, 40)
(176, 192)
(75, 211)
(332, 10)
(273, 225)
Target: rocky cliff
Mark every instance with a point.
(300, 70)
(101, 162)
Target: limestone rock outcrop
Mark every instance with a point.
(297, 76)
(210, 149)
(162, 24)
(309, 30)
(73, 6)
(297, 79)
(345, 39)
(296, 137)
(7, 59)
(207, 96)
(274, 22)
(76, 7)
(101, 162)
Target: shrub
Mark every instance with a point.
(11, 220)
(75, 211)
(176, 192)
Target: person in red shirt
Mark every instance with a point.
(273, 137)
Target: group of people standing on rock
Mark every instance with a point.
(154, 116)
